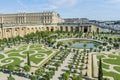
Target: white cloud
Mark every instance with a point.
(113, 1)
(64, 3)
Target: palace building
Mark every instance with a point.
(31, 18)
(20, 24)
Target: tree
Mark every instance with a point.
(95, 45)
(34, 78)
(47, 76)
(70, 67)
(77, 77)
(10, 77)
(100, 73)
(26, 68)
(28, 59)
(104, 44)
(74, 77)
(100, 48)
(66, 46)
(116, 45)
(91, 49)
(65, 76)
(39, 71)
(84, 45)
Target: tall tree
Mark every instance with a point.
(28, 59)
(100, 73)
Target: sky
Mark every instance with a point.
(91, 9)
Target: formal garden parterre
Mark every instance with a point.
(18, 55)
(111, 64)
(40, 56)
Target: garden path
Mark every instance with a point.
(63, 67)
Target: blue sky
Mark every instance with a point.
(92, 9)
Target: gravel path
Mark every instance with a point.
(95, 66)
(90, 66)
(63, 67)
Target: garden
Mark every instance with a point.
(42, 51)
(110, 65)
(17, 56)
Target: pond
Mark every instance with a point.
(82, 44)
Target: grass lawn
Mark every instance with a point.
(23, 47)
(112, 56)
(1, 56)
(35, 46)
(39, 49)
(37, 54)
(117, 68)
(100, 56)
(36, 58)
(11, 61)
(16, 54)
(105, 66)
(13, 50)
(113, 61)
(112, 74)
(30, 52)
(48, 52)
(113, 36)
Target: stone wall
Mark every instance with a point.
(7, 32)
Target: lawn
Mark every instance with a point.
(13, 50)
(18, 55)
(46, 52)
(29, 51)
(113, 61)
(112, 56)
(1, 56)
(105, 66)
(35, 46)
(100, 56)
(112, 74)
(36, 58)
(117, 68)
(11, 61)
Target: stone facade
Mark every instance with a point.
(20, 24)
(76, 27)
(31, 18)
(21, 30)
